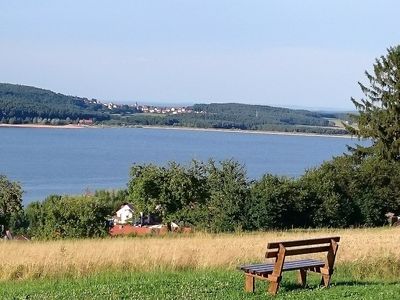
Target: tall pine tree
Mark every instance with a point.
(379, 110)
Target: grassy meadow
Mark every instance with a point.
(194, 266)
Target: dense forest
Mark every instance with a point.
(23, 104)
(239, 116)
(252, 116)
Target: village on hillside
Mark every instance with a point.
(144, 108)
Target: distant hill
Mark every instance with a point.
(241, 116)
(19, 103)
(26, 104)
(256, 115)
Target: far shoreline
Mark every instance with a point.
(283, 133)
(346, 136)
(69, 126)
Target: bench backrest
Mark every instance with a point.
(299, 247)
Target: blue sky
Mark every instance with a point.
(284, 53)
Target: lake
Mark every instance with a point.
(72, 161)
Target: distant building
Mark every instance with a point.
(86, 122)
(124, 214)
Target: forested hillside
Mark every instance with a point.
(240, 116)
(25, 104)
(255, 115)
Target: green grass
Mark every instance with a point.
(203, 284)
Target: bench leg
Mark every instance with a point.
(302, 278)
(274, 286)
(249, 283)
(325, 280)
(326, 276)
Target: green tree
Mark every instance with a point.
(276, 203)
(376, 189)
(379, 110)
(145, 186)
(113, 199)
(174, 192)
(10, 202)
(67, 217)
(330, 193)
(229, 195)
(206, 195)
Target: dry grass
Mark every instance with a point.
(23, 260)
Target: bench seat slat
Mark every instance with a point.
(287, 266)
(288, 263)
(269, 269)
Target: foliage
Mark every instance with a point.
(376, 189)
(239, 116)
(229, 194)
(67, 217)
(24, 104)
(113, 199)
(343, 192)
(276, 202)
(346, 191)
(10, 204)
(208, 195)
(329, 197)
(379, 110)
(252, 115)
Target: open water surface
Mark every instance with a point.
(71, 161)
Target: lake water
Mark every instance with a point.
(68, 161)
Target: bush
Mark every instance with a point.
(205, 195)
(11, 211)
(67, 217)
(330, 195)
(276, 202)
(376, 190)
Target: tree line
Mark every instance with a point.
(218, 197)
(24, 104)
(239, 116)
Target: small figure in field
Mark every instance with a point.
(392, 219)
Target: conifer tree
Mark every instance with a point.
(379, 109)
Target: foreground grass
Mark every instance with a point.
(374, 249)
(198, 266)
(200, 284)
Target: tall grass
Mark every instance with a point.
(362, 250)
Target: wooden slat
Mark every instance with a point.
(299, 251)
(307, 250)
(271, 254)
(306, 242)
(253, 266)
(287, 266)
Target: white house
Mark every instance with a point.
(124, 214)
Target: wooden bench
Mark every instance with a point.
(272, 272)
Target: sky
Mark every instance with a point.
(290, 53)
